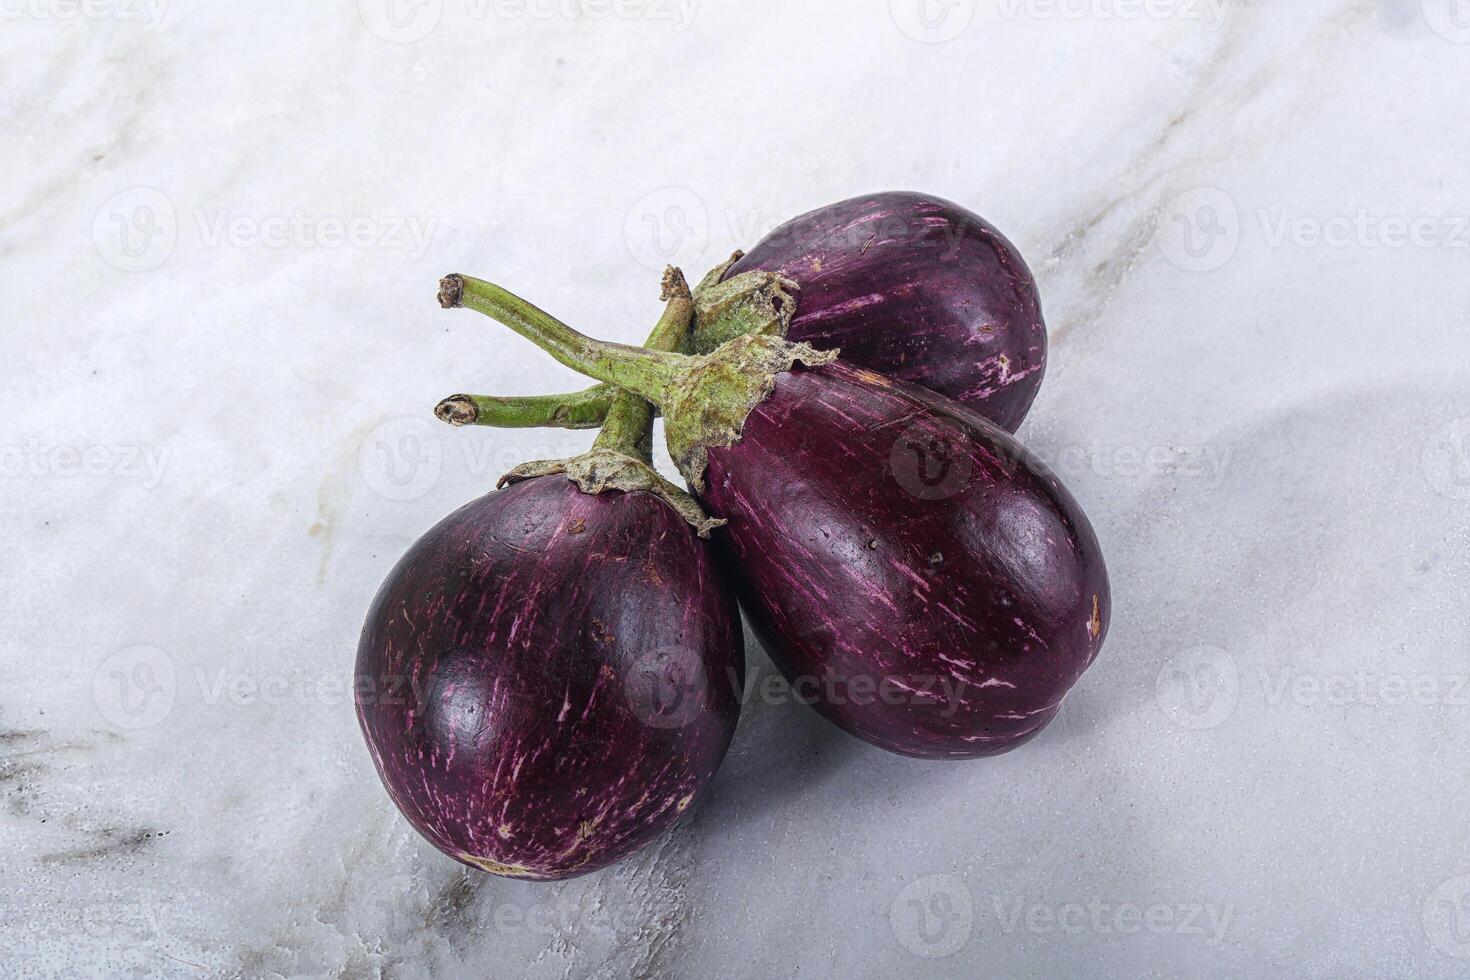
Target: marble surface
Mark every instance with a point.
(220, 233)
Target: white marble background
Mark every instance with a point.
(221, 227)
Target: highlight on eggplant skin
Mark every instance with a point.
(917, 288)
(919, 577)
(548, 678)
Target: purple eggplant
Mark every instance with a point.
(919, 289)
(543, 680)
(919, 577)
(550, 676)
(909, 285)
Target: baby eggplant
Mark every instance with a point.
(916, 288)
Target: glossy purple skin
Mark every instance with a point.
(547, 679)
(917, 288)
(917, 575)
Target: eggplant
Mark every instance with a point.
(921, 579)
(910, 568)
(916, 288)
(908, 285)
(550, 676)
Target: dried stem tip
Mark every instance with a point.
(674, 285)
(451, 291)
(458, 410)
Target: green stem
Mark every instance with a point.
(629, 425)
(574, 410)
(648, 373)
(752, 302)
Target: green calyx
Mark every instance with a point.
(709, 402)
(757, 303)
(600, 470)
